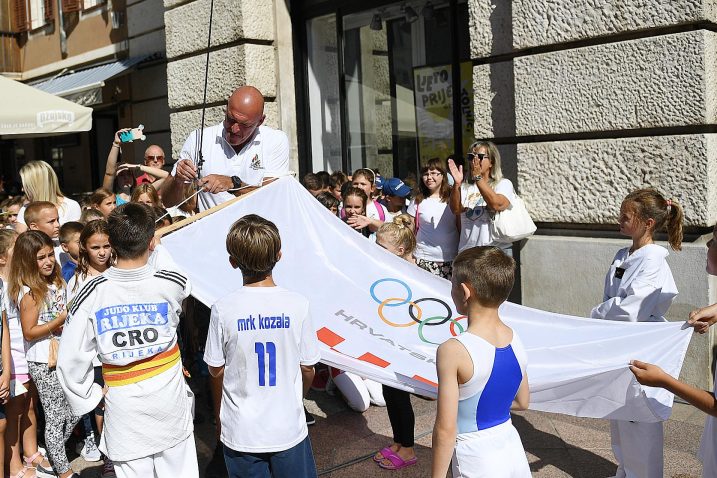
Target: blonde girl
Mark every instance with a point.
(146, 194)
(639, 287)
(36, 286)
(397, 237)
(39, 182)
(435, 223)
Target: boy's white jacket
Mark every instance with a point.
(381, 317)
(125, 316)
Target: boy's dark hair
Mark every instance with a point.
(68, 229)
(131, 228)
(161, 212)
(312, 182)
(488, 271)
(327, 200)
(325, 178)
(338, 179)
(253, 244)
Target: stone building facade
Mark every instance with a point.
(586, 99)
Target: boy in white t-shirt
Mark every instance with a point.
(261, 348)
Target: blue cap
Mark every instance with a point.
(395, 187)
(379, 181)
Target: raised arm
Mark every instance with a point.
(111, 166)
(455, 199)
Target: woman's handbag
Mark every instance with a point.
(52, 353)
(512, 224)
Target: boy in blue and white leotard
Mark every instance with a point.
(481, 375)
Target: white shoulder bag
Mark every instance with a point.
(512, 224)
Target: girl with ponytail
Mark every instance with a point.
(639, 287)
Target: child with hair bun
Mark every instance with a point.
(639, 287)
(397, 237)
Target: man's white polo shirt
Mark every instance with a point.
(266, 154)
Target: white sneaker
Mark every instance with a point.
(89, 451)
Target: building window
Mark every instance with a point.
(41, 12)
(87, 4)
(380, 86)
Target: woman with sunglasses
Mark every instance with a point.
(479, 192)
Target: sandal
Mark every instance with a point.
(30, 462)
(381, 454)
(396, 462)
(23, 473)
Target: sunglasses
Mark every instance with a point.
(473, 156)
(157, 157)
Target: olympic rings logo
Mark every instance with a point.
(415, 312)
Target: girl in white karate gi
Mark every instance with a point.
(639, 287)
(654, 376)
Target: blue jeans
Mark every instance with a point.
(296, 462)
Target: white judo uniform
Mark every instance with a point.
(487, 444)
(129, 317)
(639, 287)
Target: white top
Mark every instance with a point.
(39, 350)
(267, 154)
(125, 316)
(476, 231)
(261, 335)
(437, 235)
(484, 400)
(372, 211)
(639, 287)
(69, 210)
(17, 342)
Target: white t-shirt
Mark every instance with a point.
(437, 235)
(267, 154)
(475, 230)
(17, 342)
(38, 350)
(372, 211)
(69, 210)
(261, 335)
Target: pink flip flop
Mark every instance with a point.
(397, 462)
(384, 453)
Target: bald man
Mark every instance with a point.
(238, 151)
(153, 158)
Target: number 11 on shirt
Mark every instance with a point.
(261, 352)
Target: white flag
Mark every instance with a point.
(381, 317)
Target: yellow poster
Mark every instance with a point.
(433, 93)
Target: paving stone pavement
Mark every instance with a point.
(557, 445)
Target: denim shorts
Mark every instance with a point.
(296, 462)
